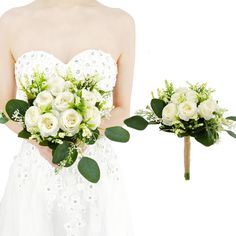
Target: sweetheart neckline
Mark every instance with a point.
(59, 60)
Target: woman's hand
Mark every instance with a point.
(45, 152)
(101, 131)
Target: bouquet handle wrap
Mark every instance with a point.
(187, 148)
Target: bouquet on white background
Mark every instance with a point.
(64, 114)
(187, 112)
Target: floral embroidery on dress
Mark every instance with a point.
(69, 191)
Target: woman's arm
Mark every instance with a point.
(123, 88)
(7, 79)
(8, 83)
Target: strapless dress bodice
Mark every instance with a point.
(86, 63)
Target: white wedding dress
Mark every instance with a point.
(37, 202)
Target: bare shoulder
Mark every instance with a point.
(125, 21)
(7, 18)
(13, 14)
(118, 16)
(11, 18)
(123, 16)
(124, 24)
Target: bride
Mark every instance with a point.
(86, 37)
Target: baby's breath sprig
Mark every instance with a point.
(148, 114)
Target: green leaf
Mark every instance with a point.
(94, 137)
(136, 122)
(3, 118)
(61, 152)
(231, 118)
(157, 106)
(207, 137)
(89, 169)
(64, 152)
(24, 134)
(117, 134)
(46, 143)
(231, 133)
(14, 105)
(72, 158)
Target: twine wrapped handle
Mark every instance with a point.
(187, 146)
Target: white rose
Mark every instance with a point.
(169, 114)
(93, 117)
(48, 125)
(56, 85)
(31, 117)
(187, 110)
(70, 121)
(191, 96)
(206, 109)
(89, 97)
(178, 97)
(62, 101)
(43, 99)
(184, 94)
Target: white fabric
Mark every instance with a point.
(37, 202)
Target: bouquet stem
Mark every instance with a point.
(187, 146)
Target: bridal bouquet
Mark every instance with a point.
(64, 114)
(187, 112)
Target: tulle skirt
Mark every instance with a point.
(38, 202)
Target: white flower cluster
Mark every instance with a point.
(186, 111)
(186, 104)
(64, 107)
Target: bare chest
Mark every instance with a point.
(65, 37)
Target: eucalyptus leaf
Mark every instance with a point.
(16, 105)
(89, 169)
(3, 118)
(231, 118)
(157, 106)
(231, 133)
(207, 137)
(64, 152)
(136, 122)
(61, 152)
(72, 158)
(49, 144)
(24, 134)
(117, 134)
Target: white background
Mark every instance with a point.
(179, 41)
